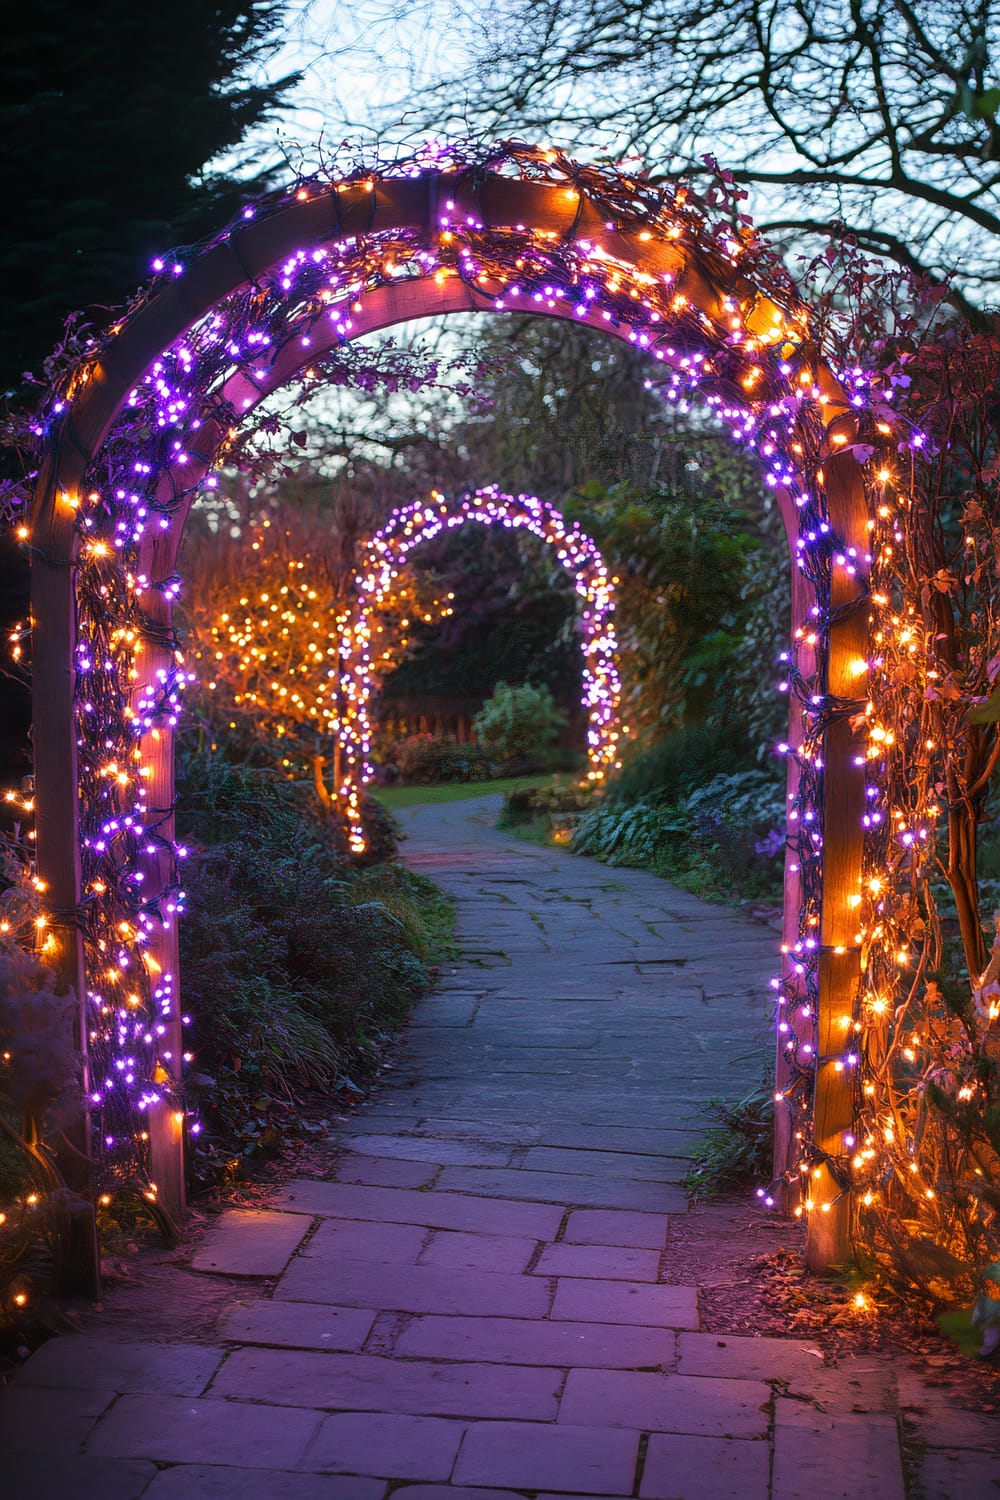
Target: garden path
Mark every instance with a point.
(479, 1301)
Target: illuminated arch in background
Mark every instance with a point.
(387, 554)
(134, 431)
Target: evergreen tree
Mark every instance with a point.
(111, 114)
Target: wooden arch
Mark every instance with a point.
(695, 280)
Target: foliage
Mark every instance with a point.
(512, 616)
(721, 839)
(677, 762)
(40, 1070)
(690, 571)
(296, 967)
(41, 1092)
(540, 800)
(737, 1149)
(560, 408)
(519, 722)
(566, 413)
(547, 814)
(112, 118)
(267, 623)
(879, 120)
(746, 682)
(425, 913)
(426, 760)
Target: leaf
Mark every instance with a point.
(985, 106)
(987, 712)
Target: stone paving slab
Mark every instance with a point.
(178, 1430)
(372, 1383)
(679, 1467)
(298, 1325)
(93, 1361)
(427, 1149)
(251, 1242)
(522, 1341)
(38, 1419)
(634, 1139)
(647, 1231)
(947, 1476)
(493, 1130)
(359, 1239)
(214, 1482)
(747, 1358)
(853, 1384)
(704, 1405)
(437, 1210)
(377, 1171)
(563, 1187)
(46, 1476)
(454, 1492)
(575, 1460)
(479, 1252)
(590, 1162)
(414, 1289)
(839, 1457)
(626, 1302)
(438, 1011)
(395, 1447)
(607, 1262)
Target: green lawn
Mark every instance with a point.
(453, 791)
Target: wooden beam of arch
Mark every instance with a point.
(324, 214)
(332, 214)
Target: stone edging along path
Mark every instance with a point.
(480, 1302)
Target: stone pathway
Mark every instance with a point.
(479, 1302)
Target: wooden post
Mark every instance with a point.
(166, 1119)
(829, 1225)
(154, 661)
(786, 1148)
(57, 827)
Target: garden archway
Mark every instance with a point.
(386, 555)
(141, 419)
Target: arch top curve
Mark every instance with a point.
(505, 228)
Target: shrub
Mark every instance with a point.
(679, 762)
(296, 965)
(737, 1149)
(722, 839)
(640, 835)
(40, 1068)
(526, 803)
(424, 760)
(519, 723)
(41, 1091)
